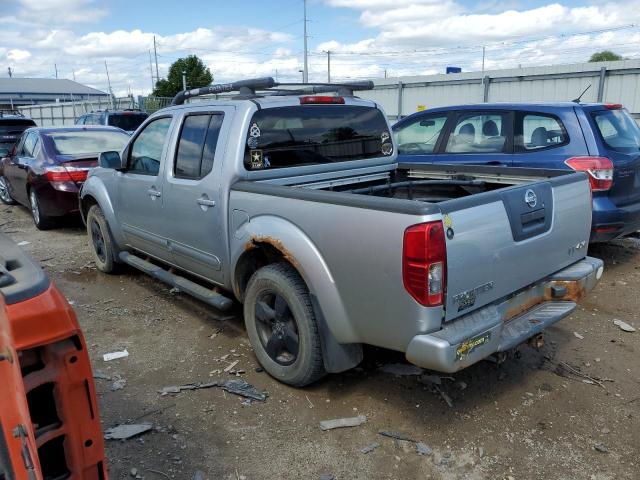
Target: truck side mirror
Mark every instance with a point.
(110, 160)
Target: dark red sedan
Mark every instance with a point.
(46, 168)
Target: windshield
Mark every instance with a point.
(314, 134)
(87, 142)
(126, 121)
(10, 133)
(618, 130)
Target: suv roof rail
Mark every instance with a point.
(248, 88)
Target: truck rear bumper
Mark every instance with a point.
(507, 323)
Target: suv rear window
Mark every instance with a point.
(10, 131)
(618, 130)
(314, 134)
(126, 121)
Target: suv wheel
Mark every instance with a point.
(42, 222)
(5, 196)
(281, 325)
(100, 241)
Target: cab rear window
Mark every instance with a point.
(618, 130)
(315, 134)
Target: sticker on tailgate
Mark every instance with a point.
(465, 348)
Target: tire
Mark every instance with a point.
(5, 196)
(277, 329)
(100, 241)
(42, 221)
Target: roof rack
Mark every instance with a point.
(268, 86)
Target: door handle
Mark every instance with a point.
(154, 193)
(205, 202)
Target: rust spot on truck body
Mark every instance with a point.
(574, 292)
(255, 241)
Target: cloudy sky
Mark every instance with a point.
(257, 38)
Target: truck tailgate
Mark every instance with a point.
(503, 240)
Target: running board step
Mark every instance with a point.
(198, 291)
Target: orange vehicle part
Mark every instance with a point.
(50, 426)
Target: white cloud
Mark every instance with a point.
(17, 55)
(59, 12)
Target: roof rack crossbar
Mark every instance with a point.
(247, 89)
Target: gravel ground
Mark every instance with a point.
(525, 418)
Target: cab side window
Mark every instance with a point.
(420, 136)
(146, 151)
(197, 146)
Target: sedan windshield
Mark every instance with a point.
(85, 142)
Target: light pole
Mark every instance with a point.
(184, 80)
(302, 72)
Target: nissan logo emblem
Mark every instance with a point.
(531, 198)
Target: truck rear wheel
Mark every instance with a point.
(281, 325)
(100, 241)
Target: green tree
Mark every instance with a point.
(605, 56)
(198, 75)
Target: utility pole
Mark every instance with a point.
(155, 52)
(385, 73)
(109, 83)
(184, 80)
(10, 72)
(276, 74)
(56, 68)
(483, 52)
(305, 73)
(153, 84)
(328, 66)
(73, 72)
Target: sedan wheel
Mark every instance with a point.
(5, 196)
(42, 222)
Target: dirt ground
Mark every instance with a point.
(526, 418)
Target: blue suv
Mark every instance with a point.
(600, 139)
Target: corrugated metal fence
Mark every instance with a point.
(616, 82)
(66, 113)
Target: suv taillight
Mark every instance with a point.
(600, 170)
(424, 263)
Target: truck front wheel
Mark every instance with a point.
(281, 325)
(100, 241)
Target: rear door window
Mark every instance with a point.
(420, 136)
(618, 130)
(479, 132)
(30, 145)
(197, 146)
(536, 131)
(315, 134)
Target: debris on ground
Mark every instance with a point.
(134, 473)
(600, 447)
(396, 435)
(578, 336)
(107, 357)
(124, 432)
(100, 375)
(230, 366)
(370, 448)
(118, 383)
(423, 449)
(342, 422)
(445, 396)
(174, 290)
(624, 326)
(23, 243)
(327, 476)
(198, 475)
(401, 369)
(237, 387)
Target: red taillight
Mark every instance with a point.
(613, 106)
(600, 170)
(67, 174)
(321, 99)
(424, 263)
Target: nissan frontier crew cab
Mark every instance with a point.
(289, 199)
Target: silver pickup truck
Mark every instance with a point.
(292, 202)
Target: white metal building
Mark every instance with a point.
(15, 92)
(615, 82)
